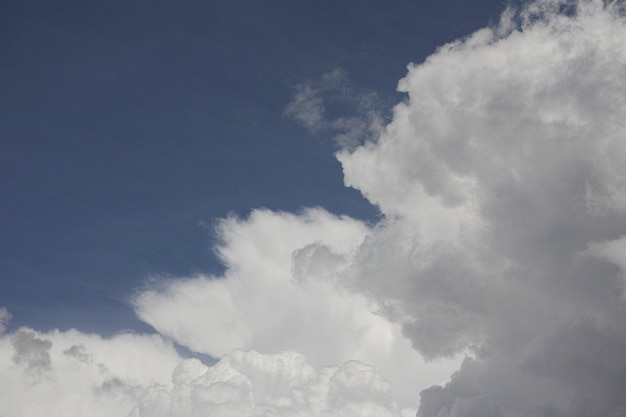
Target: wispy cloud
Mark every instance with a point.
(331, 105)
(5, 317)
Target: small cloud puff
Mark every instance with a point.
(331, 105)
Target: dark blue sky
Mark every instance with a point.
(128, 127)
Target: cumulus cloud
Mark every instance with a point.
(502, 184)
(288, 286)
(77, 374)
(246, 384)
(73, 374)
(502, 181)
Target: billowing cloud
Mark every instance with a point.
(246, 384)
(77, 374)
(73, 374)
(501, 181)
(288, 286)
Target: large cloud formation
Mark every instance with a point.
(287, 287)
(501, 181)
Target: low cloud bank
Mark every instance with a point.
(77, 374)
(250, 384)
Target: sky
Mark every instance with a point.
(313, 209)
(128, 128)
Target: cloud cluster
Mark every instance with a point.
(244, 384)
(75, 374)
(501, 181)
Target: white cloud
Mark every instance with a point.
(288, 285)
(75, 374)
(259, 290)
(248, 383)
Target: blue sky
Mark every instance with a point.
(129, 127)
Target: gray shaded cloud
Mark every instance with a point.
(78, 352)
(502, 181)
(32, 352)
(5, 317)
(502, 184)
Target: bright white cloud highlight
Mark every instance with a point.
(288, 286)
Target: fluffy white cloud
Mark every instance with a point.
(76, 374)
(72, 374)
(260, 303)
(288, 286)
(244, 384)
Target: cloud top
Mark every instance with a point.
(283, 384)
